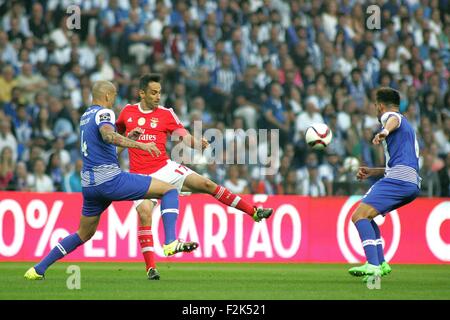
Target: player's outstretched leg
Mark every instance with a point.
(169, 213)
(362, 219)
(87, 228)
(385, 267)
(196, 183)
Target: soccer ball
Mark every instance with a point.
(318, 136)
(351, 164)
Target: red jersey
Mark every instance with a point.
(156, 124)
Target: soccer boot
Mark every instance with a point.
(179, 246)
(385, 269)
(153, 274)
(31, 274)
(365, 270)
(261, 213)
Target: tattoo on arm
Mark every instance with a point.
(112, 137)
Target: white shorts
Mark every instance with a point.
(173, 173)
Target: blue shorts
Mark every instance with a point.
(124, 186)
(389, 194)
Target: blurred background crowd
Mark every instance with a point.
(250, 64)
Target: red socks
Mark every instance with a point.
(145, 238)
(226, 197)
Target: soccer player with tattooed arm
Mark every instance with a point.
(102, 179)
(148, 121)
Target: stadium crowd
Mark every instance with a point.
(269, 64)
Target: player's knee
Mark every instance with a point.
(363, 213)
(170, 189)
(356, 216)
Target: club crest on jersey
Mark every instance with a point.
(153, 122)
(141, 121)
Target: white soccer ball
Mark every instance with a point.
(318, 136)
(351, 164)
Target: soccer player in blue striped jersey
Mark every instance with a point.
(399, 186)
(104, 182)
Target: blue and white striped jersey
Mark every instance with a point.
(100, 162)
(401, 150)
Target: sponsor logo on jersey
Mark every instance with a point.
(147, 137)
(141, 121)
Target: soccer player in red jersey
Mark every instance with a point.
(149, 122)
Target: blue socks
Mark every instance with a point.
(378, 242)
(169, 212)
(367, 235)
(65, 246)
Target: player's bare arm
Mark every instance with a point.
(366, 172)
(110, 136)
(190, 141)
(133, 135)
(391, 124)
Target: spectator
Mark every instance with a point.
(290, 185)
(233, 183)
(21, 180)
(155, 27)
(198, 105)
(247, 98)
(30, 83)
(23, 129)
(431, 186)
(55, 85)
(266, 184)
(371, 155)
(347, 63)
(356, 88)
(102, 70)
(17, 12)
(223, 79)
(330, 171)
(62, 122)
(111, 24)
(42, 130)
(38, 27)
(444, 177)
(6, 168)
(190, 65)
(7, 83)
(7, 139)
(8, 53)
(312, 186)
(55, 172)
(89, 52)
(135, 41)
(72, 180)
(306, 118)
(276, 113)
(39, 181)
(216, 172)
(15, 33)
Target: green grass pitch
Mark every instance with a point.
(216, 281)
